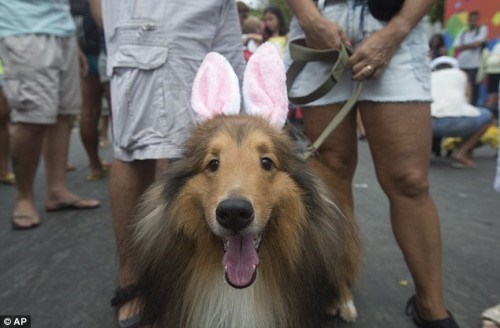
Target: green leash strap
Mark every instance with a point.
(301, 54)
(339, 60)
(334, 123)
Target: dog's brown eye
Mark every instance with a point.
(267, 163)
(213, 165)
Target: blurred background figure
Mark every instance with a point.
(452, 114)
(276, 29)
(6, 176)
(492, 72)
(252, 35)
(91, 44)
(468, 44)
(42, 109)
(243, 12)
(437, 46)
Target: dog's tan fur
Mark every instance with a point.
(309, 255)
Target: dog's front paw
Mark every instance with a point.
(348, 311)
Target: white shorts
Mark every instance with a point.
(405, 79)
(154, 53)
(41, 77)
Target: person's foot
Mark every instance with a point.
(25, 221)
(429, 317)
(128, 307)
(8, 178)
(70, 201)
(461, 161)
(130, 312)
(25, 215)
(103, 143)
(70, 167)
(99, 172)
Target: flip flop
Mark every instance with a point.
(73, 205)
(122, 296)
(21, 217)
(8, 178)
(70, 167)
(491, 317)
(99, 176)
(459, 163)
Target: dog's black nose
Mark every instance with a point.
(234, 214)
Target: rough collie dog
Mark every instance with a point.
(241, 232)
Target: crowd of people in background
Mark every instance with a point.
(470, 96)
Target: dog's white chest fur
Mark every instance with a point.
(219, 305)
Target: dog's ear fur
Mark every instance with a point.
(264, 85)
(216, 89)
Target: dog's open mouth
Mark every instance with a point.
(241, 259)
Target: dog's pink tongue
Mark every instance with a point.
(240, 260)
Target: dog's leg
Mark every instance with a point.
(346, 309)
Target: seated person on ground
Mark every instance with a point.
(452, 114)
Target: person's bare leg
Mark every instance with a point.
(127, 183)
(104, 132)
(4, 136)
(26, 145)
(399, 136)
(359, 125)
(55, 156)
(338, 152)
(89, 121)
(161, 167)
(464, 151)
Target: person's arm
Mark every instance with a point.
(95, 7)
(468, 89)
(482, 38)
(252, 36)
(320, 32)
(378, 48)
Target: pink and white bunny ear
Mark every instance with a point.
(216, 89)
(264, 85)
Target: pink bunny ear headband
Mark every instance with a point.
(216, 88)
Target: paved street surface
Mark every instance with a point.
(64, 273)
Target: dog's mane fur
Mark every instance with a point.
(308, 258)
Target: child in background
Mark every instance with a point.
(252, 35)
(275, 30)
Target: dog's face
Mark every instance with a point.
(240, 184)
(238, 179)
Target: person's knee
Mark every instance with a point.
(410, 183)
(343, 166)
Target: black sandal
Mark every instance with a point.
(411, 310)
(122, 296)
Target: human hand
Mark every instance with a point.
(325, 34)
(373, 55)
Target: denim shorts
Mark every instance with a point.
(405, 79)
(460, 127)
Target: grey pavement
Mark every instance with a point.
(64, 273)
